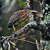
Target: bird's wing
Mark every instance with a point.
(17, 16)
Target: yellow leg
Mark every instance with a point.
(13, 27)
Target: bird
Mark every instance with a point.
(19, 16)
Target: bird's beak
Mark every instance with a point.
(33, 11)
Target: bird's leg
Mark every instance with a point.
(14, 28)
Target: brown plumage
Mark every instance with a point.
(17, 16)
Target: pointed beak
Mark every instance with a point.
(33, 11)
